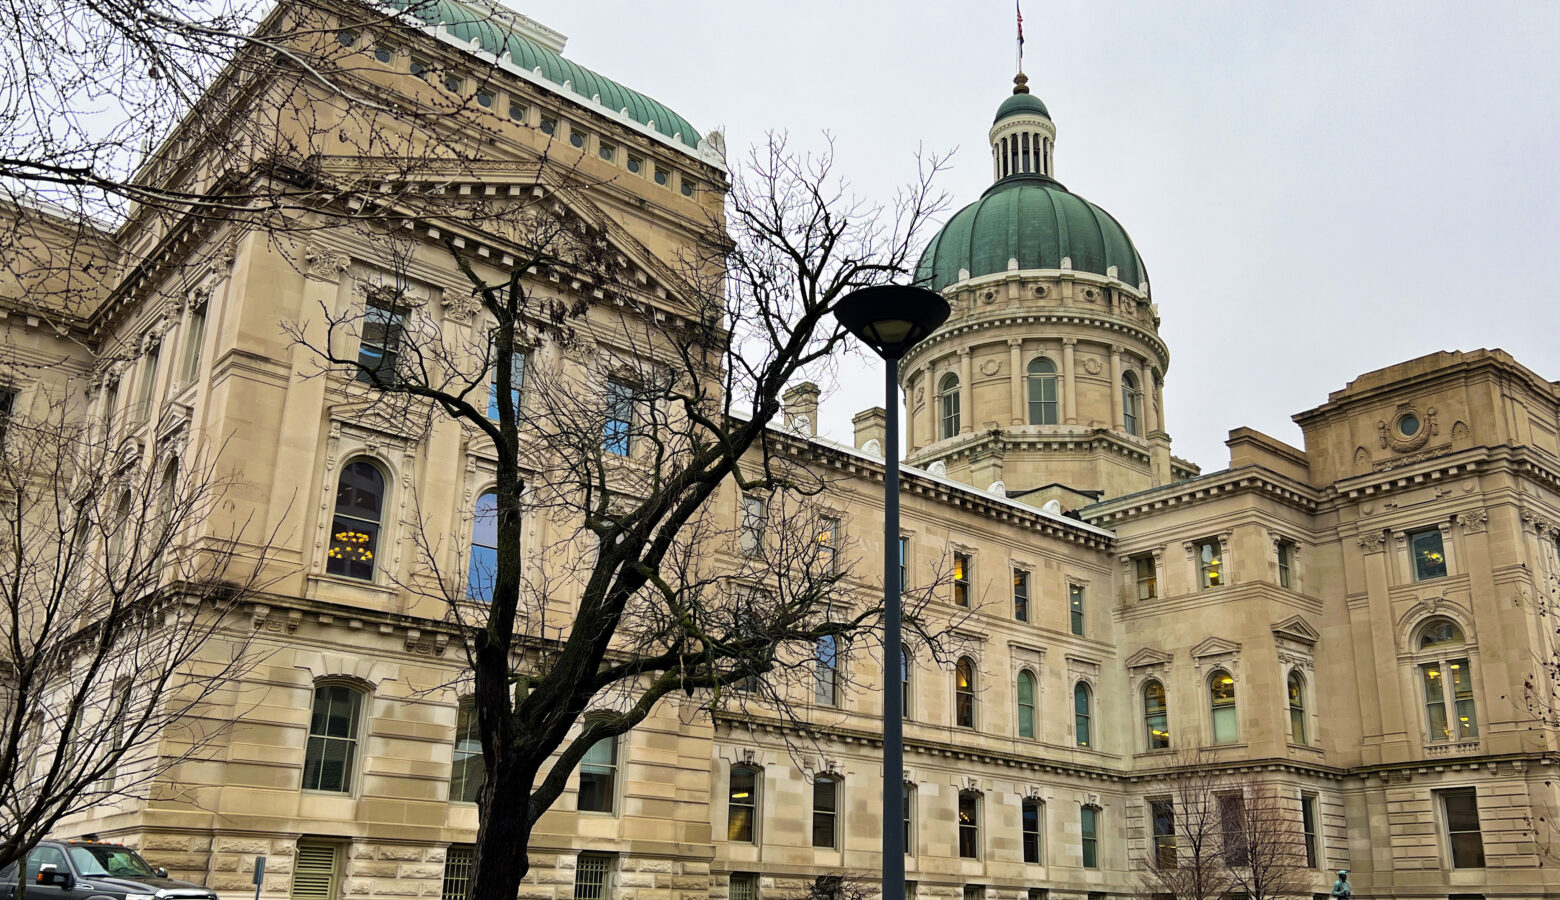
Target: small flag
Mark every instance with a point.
(1020, 12)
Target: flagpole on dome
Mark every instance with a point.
(1019, 8)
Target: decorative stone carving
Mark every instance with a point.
(1090, 294)
(989, 297)
(873, 447)
(938, 468)
(1409, 428)
(323, 264)
(1372, 542)
(1040, 290)
(990, 367)
(462, 305)
(998, 488)
(1473, 522)
(1092, 365)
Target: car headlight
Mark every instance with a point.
(140, 897)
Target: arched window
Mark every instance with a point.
(598, 777)
(468, 770)
(742, 808)
(826, 812)
(1026, 704)
(1024, 147)
(354, 534)
(1042, 392)
(1156, 716)
(964, 693)
(333, 736)
(1447, 676)
(909, 813)
(904, 683)
(1221, 704)
(166, 522)
(1296, 708)
(1082, 701)
(969, 825)
(949, 392)
(116, 538)
(483, 567)
(1131, 402)
(827, 670)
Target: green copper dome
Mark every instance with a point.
(1035, 220)
(1019, 104)
(489, 33)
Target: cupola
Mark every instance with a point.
(1023, 137)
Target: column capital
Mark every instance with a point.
(964, 353)
(1117, 349)
(1015, 343)
(1069, 342)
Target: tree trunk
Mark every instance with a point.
(500, 861)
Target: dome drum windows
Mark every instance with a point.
(1131, 404)
(948, 396)
(1043, 405)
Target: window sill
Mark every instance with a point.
(358, 583)
(1453, 748)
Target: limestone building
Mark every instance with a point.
(1349, 622)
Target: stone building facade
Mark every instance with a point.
(1351, 621)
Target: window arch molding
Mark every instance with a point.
(1412, 625)
(1026, 696)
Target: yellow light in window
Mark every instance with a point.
(740, 795)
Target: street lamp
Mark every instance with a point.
(891, 319)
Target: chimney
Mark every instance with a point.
(801, 408)
(871, 428)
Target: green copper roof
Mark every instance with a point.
(468, 25)
(1035, 220)
(1018, 104)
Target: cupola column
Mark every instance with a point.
(1150, 398)
(1069, 384)
(1116, 420)
(966, 392)
(1015, 368)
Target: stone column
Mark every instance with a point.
(966, 392)
(1150, 399)
(928, 416)
(1114, 390)
(1159, 402)
(1015, 362)
(1069, 386)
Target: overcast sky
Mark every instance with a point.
(1318, 189)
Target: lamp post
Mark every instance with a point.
(891, 319)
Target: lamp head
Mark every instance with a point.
(891, 318)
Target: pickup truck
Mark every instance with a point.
(93, 870)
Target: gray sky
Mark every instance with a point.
(1318, 189)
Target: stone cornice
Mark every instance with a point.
(1106, 325)
(1205, 488)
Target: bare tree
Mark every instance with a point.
(1184, 855)
(115, 598)
(1264, 840)
(629, 412)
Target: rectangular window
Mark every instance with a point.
(381, 342)
(1462, 724)
(618, 430)
(1075, 608)
(961, 580)
(457, 873)
(1286, 560)
(1146, 575)
(828, 538)
(742, 805)
(516, 386)
(592, 876)
(743, 886)
(1462, 828)
(1313, 853)
(904, 558)
(143, 405)
(974, 892)
(1021, 595)
(908, 802)
(1031, 821)
(314, 871)
(1162, 812)
(7, 401)
(1232, 821)
(192, 344)
(468, 769)
(825, 812)
(1039, 894)
(1210, 563)
(969, 826)
(754, 519)
(598, 777)
(1428, 553)
(1089, 825)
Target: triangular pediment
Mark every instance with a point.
(1297, 629)
(1148, 656)
(1215, 646)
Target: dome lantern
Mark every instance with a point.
(1023, 138)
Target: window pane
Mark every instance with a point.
(1089, 825)
(1428, 553)
(1435, 703)
(1031, 831)
(468, 770)
(826, 668)
(598, 776)
(1221, 691)
(743, 802)
(1026, 705)
(825, 808)
(964, 693)
(1462, 692)
(1075, 607)
(1081, 714)
(969, 826)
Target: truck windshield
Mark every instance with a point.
(114, 862)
